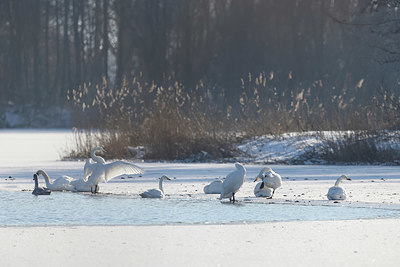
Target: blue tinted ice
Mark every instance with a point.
(22, 208)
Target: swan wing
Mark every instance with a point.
(273, 180)
(232, 183)
(117, 168)
(214, 187)
(88, 168)
(77, 182)
(81, 185)
(61, 183)
(63, 180)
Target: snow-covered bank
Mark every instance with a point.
(289, 148)
(321, 147)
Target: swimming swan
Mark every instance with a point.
(60, 184)
(233, 182)
(104, 172)
(214, 187)
(39, 190)
(156, 193)
(269, 179)
(337, 192)
(90, 162)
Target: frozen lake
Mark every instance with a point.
(25, 151)
(22, 208)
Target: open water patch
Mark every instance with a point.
(65, 208)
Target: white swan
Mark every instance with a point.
(39, 190)
(233, 182)
(156, 193)
(337, 192)
(104, 172)
(60, 184)
(214, 187)
(262, 192)
(269, 179)
(90, 162)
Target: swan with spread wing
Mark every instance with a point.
(90, 162)
(104, 172)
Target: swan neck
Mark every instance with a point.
(240, 168)
(46, 177)
(160, 185)
(338, 181)
(95, 157)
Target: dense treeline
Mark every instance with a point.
(50, 47)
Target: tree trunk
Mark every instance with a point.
(66, 73)
(46, 48)
(105, 39)
(77, 42)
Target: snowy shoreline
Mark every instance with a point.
(358, 242)
(296, 148)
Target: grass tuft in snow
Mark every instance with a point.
(362, 147)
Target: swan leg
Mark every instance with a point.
(96, 189)
(233, 198)
(273, 191)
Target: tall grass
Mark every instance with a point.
(174, 122)
(362, 146)
(171, 122)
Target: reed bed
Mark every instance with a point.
(173, 122)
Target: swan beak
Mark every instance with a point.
(256, 179)
(347, 178)
(167, 178)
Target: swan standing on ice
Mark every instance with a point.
(156, 193)
(39, 190)
(269, 179)
(337, 192)
(214, 187)
(90, 162)
(60, 184)
(233, 182)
